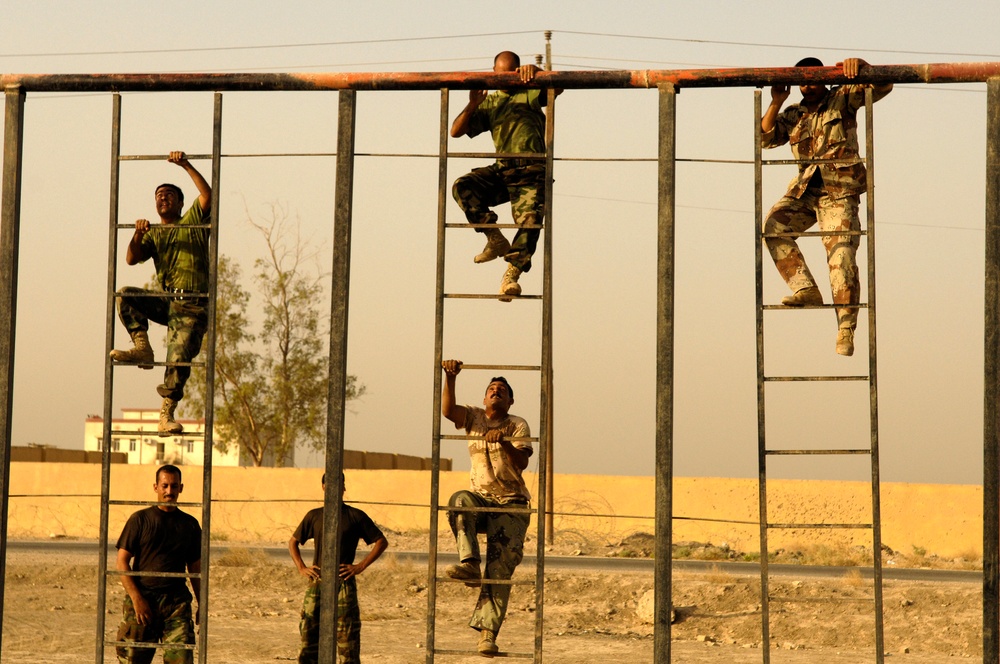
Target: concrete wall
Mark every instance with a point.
(942, 519)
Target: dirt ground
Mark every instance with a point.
(50, 605)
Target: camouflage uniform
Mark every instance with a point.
(517, 124)
(348, 624)
(172, 623)
(181, 259)
(495, 482)
(355, 525)
(825, 193)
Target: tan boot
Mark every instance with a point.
(845, 341)
(496, 246)
(487, 643)
(140, 354)
(167, 424)
(509, 288)
(804, 297)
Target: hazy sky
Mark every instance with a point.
(930, 186)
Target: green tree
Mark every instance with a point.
(270, 386)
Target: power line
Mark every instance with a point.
(209, 49)
(359, 42)
(765, 45)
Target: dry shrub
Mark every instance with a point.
(239, 556)
(853, 579)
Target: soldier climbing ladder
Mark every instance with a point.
(763, 379)
(104, 575)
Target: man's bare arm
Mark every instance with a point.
(204, 189)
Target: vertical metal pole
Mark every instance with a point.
(873, 381)
(10, 223)
(341, 276)
(545, 506)
(206, 496)
(550, 531)
(991, 383)
(109, 376)
(442, 213)
(765, 613)
(662, 565)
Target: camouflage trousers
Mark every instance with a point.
(348, 624)
(794, 215)
(171, 623)
(504, 550)
(186, 320)
(523, 186)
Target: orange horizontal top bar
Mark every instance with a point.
(954, 72)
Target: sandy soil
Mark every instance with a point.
(50, 601)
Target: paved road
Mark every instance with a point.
(587, 563)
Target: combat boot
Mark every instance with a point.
(496, 246)
(140, 354)
(845, 341)
(804, 297)
(509, 288)
(167, 423)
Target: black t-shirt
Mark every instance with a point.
(161, 541)
(354, 525)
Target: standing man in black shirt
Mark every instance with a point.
(159, 538)
(355, 525)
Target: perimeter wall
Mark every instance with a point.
(941, 519)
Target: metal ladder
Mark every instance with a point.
(436, 508)
(872, 450)
(208, 350)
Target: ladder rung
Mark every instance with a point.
(158, 364)
(820, 599)
(150, 503)
(489, 582)
(512, 439)
(537, 156)
(791, 379)
(159, 575)
(814, 233)
(143, 644)
(787, 162)
(153, 432)
(477, 296)
(494, 510)
(817, 452)
(782, 307)
(153, 227)
(503, 367)
(486, 226)
(515, 655)
(821, 526)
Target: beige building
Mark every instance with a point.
(140, 440)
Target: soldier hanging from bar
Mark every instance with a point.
(517, 123)
(823, 126)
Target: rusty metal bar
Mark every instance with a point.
(873, 381)
(206, 497)
(109, 377)
(762, 452)
(664, 480)
(991, 384)
(10, 230)
(942, 72)
(329, 582)
(435, 499)
(550, 528)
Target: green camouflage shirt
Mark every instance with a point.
(515, 120)
(831, 132)
(180, 254)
